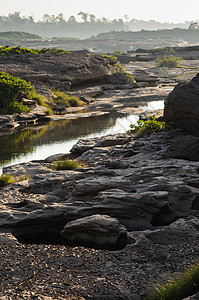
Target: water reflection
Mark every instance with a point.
(153, 105)
(58, 137)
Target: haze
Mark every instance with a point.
(170, 11)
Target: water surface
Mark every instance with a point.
(37, 143)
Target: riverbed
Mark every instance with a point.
(37, 143)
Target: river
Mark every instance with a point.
(37, 143)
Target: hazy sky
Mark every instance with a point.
(167, 10)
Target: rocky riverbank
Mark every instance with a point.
(135, 195)
(124, 220)
(92, 78)
(138, 197)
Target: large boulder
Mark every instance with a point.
(59, 71)
(98, 231)
(186, 147)
(144, 76)
(117, 78)
(182, 106)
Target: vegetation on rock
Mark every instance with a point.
(6, 179)
(121, 69)
(66, 164)
(178, 288)
(40, 100)
(149, 126)
(64, 98)
(169, 61)
(8, 50)
(12, 92)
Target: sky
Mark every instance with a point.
(167, 10)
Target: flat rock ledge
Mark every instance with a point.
(143, 192)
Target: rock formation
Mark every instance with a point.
(135, 182)
(69, 69)
(182, 106)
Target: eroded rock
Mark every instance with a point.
(97, 230)
(182, 106)
(186, 147)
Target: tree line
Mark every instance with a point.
(89, 25)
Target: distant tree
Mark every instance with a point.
(126, 18)
(31, 19)
(60, 18)
(84, 16)
(72, 19)
(105, 20)
(194, 26)
(92, 18)
(46, 18)
(53, 19)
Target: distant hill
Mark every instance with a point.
(18, 36)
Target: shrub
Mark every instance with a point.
(149, 126)
(8, 50)
(12, 91)
(164, 50)
(64, 98)
(121, 69)
(74, 101)
(169, 61)
(178, 288)
(112, 57)
(66, 164)
(5, 180)
(17, 107)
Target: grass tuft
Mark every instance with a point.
(6, 179)
(64, 98)
(66, 164)
(41, 101)
(178, 288)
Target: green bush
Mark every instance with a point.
(112, 57)
(169, 61)
(66, 164)
(149, 126)
(17, 107)
(178, 288)
(8, 50)
(12, 91)
(74, 101)
(5, 180)
(64, 98)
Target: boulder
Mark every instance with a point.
(97, 230)
(175, 233)
(144, 76)
(117, 78)
(58, 70)
(182, 106)
(125, 58)
(185, 147)
(144, 57)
